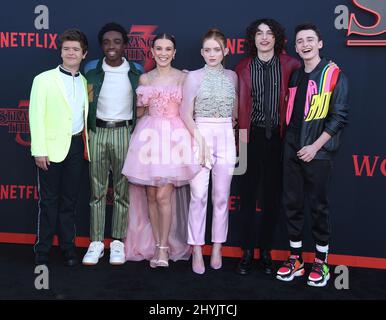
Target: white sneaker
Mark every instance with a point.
(117, 252)
(94, 252)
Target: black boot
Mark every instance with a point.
(265, 263)
(70, 258)
(245, 264)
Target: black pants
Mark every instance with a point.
(300, 179)
(58, 193)
(263, 170)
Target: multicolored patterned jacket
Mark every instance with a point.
(326, 106)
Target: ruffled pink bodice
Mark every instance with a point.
(163, 101)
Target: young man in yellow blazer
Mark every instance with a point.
(57, 113)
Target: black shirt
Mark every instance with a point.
(300, 99)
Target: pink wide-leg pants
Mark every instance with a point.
(219, 136)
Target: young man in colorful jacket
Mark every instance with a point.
(316, 114)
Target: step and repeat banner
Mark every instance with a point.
(354, 34)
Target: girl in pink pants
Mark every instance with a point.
(209, 109)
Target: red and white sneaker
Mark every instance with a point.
(291, 268)
(319, 275)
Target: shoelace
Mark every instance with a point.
(116, 248)
(92, 247)
(290, 263)
(317, 267)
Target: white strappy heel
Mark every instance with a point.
(162, 262)
(153, 261)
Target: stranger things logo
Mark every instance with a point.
(16, 120)
(140, 42)
(28, 40)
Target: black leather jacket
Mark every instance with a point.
(326, 107)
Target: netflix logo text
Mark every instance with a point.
(18, 192)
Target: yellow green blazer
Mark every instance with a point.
(50, 117)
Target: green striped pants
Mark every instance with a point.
(108, 148)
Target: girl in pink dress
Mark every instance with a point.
(208, 109)
(159, 158)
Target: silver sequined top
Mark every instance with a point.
(216, 95)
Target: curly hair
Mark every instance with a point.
(276, 28)
(112, 26)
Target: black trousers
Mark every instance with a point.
(263, 172)
(302, 179)
(58, 193)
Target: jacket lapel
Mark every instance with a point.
(61, 86)
(85, 99)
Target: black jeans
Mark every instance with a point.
(58, 193)
(305, 179)
(263, 170)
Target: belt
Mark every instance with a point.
(113, 124)
(262, 127)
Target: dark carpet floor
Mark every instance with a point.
(137, 281)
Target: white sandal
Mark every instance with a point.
(162, 262)
(154, 260)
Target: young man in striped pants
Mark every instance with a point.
(112, 97)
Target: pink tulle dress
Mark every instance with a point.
(160, 152)
(139, 242)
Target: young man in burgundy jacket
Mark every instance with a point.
(263, 85)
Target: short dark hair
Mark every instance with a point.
(112, 26)
(164, 36)
(278, 32)
(74, 35)
(308, 26)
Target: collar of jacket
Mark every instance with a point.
(322, 63)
